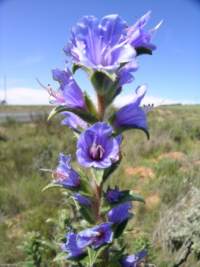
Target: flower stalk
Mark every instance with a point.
(111, 58)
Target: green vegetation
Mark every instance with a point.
(162, 169)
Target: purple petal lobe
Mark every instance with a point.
(71, 246)
(97, 148)
(73, 121)
(64, 174)
(132, 115)
(120, 213)
(69, 93)
(96, 236)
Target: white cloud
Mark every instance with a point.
(26, 96)
(156, 101)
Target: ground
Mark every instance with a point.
(162, 169)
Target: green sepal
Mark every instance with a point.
(105, 85)
(75, 67)
(143, 51)
(79, 112)
(136, 197)
(101, 82)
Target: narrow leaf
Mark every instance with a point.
(79, 112)
(51, 185)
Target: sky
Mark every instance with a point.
(34, 32)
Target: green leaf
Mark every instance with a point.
(79, 112)
(94, 256)
(90, 105)
(51, 185)
(143, 50)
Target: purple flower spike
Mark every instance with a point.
(64, 174)
(73, 121)
(96, 236)
(132, 115)
(82, 200)
(133, 260)
(113, 195)
(97, 148)
(120, 213)
(71, 247)
(100, 44)
(138, 37)
(69, 94)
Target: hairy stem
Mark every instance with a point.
(97, 189)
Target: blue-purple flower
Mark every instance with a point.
(132, 115)
(109, 44)
(97, 148)
(71, 247)
(82, 200)
(100, 44)
(120, 213)
(113, 195)
(133, 260)
(69, 93)
(95, 236)
(73, 121)
(64, 174)
(138, 37)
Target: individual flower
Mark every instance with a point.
(73, 121)
(69, 93)
(133, 260)
(64, 174)
(71, 247)
(132, 115)
(113, 195)
(82, 200)
(100, 44)
(138, 37)
(97, 148)
(120, 213)
(96, 236)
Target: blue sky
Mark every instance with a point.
(33, 33)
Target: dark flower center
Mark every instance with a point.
(96, 152)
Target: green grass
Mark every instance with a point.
(32, 146)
